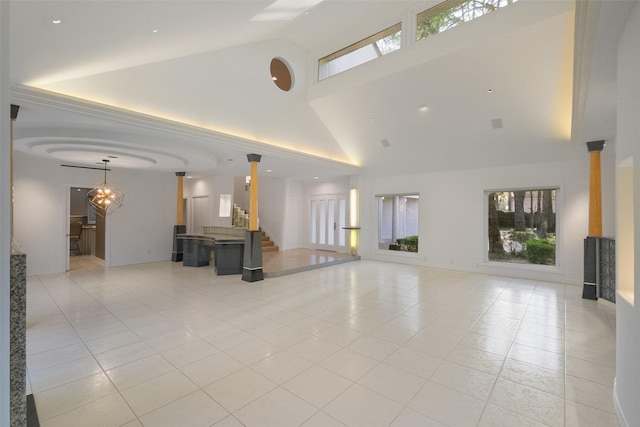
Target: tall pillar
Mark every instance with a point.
(14, 117)
(179, 201)
(252, 266)
(179, 228)
(592, 242)
(253, 192)
(595, 189)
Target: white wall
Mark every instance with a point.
(212, 187)
(139, 232)
(627, 384)
(608, 177)
(453, 215)
(294, 231)
(5, 214)
(272, 201)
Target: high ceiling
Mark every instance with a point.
(185, 86)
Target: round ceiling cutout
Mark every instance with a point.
(90, 151)
(281, 74)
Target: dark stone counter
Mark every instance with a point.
(228, 252)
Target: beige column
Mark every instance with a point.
(179, 228)
(179, 201)
(595, 188)
(252, 257)
(253, 192)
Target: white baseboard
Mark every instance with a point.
(616, 404)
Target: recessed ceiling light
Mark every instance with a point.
(316, 177)
(371, 119)
(489, 90)
(56, 21)
(269, 170)
(154, 31)
(188, 177)
(423, 108)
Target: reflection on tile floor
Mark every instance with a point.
(292, 261)
(358, 344)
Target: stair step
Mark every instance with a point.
(241, 220)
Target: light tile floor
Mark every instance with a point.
(279, 263)
(358, 344)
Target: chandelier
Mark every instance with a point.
(105, 199)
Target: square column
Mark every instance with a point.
(178, 251)
(252, 267)
(592, 242)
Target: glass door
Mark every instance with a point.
(328, 216)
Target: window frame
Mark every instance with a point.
(376, 243)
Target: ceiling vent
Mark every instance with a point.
(385, 143)
(496, 124)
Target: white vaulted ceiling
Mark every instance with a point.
(196, 94)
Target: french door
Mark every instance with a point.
(328, 216)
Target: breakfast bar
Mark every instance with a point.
(226, 244)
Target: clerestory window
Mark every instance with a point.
(366, 50)
(452, 13)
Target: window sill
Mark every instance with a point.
(399, 253)
(555, 269)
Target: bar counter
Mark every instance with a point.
(228, 251)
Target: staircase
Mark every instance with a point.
(267, 244)
(241, 220)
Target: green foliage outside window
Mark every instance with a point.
(541, 251)
(521, 226)
(451, 13)
(408, 244)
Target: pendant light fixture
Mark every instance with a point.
(105, 199)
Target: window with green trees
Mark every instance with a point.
(522, 226)
(452, 13)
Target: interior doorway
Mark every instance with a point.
(85, 232)
(201, 213)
